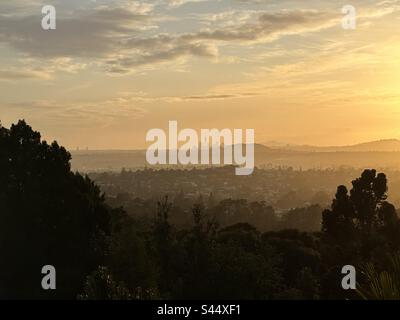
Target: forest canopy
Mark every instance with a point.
(50, 215)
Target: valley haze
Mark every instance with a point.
(380, 154)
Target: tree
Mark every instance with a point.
(198, 253)
(100, 285)
(299, 263)
(128, 260)
(361, 227)
(362, 213)
(303, 219)
(163, 247)
(48, 215)
(246, 267)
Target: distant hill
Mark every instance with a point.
(387, 145)
(260, 148)
(375, 154)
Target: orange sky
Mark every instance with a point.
(112, 70)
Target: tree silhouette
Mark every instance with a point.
(362, 212)
(48, 216)
(361, 227)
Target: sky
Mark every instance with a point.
(114, 69)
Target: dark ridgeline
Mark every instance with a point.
(180, 247)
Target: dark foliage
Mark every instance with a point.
(48, 216)
(225, 249)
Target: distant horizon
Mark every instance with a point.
(257, 143)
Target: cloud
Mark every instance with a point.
(268, 27)
(111, 35)
(218, 96)
(88, 33)
(102, 113)
(178, 3)
(118, 36)
(14, 74)
(123, 38)
(168, 49)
